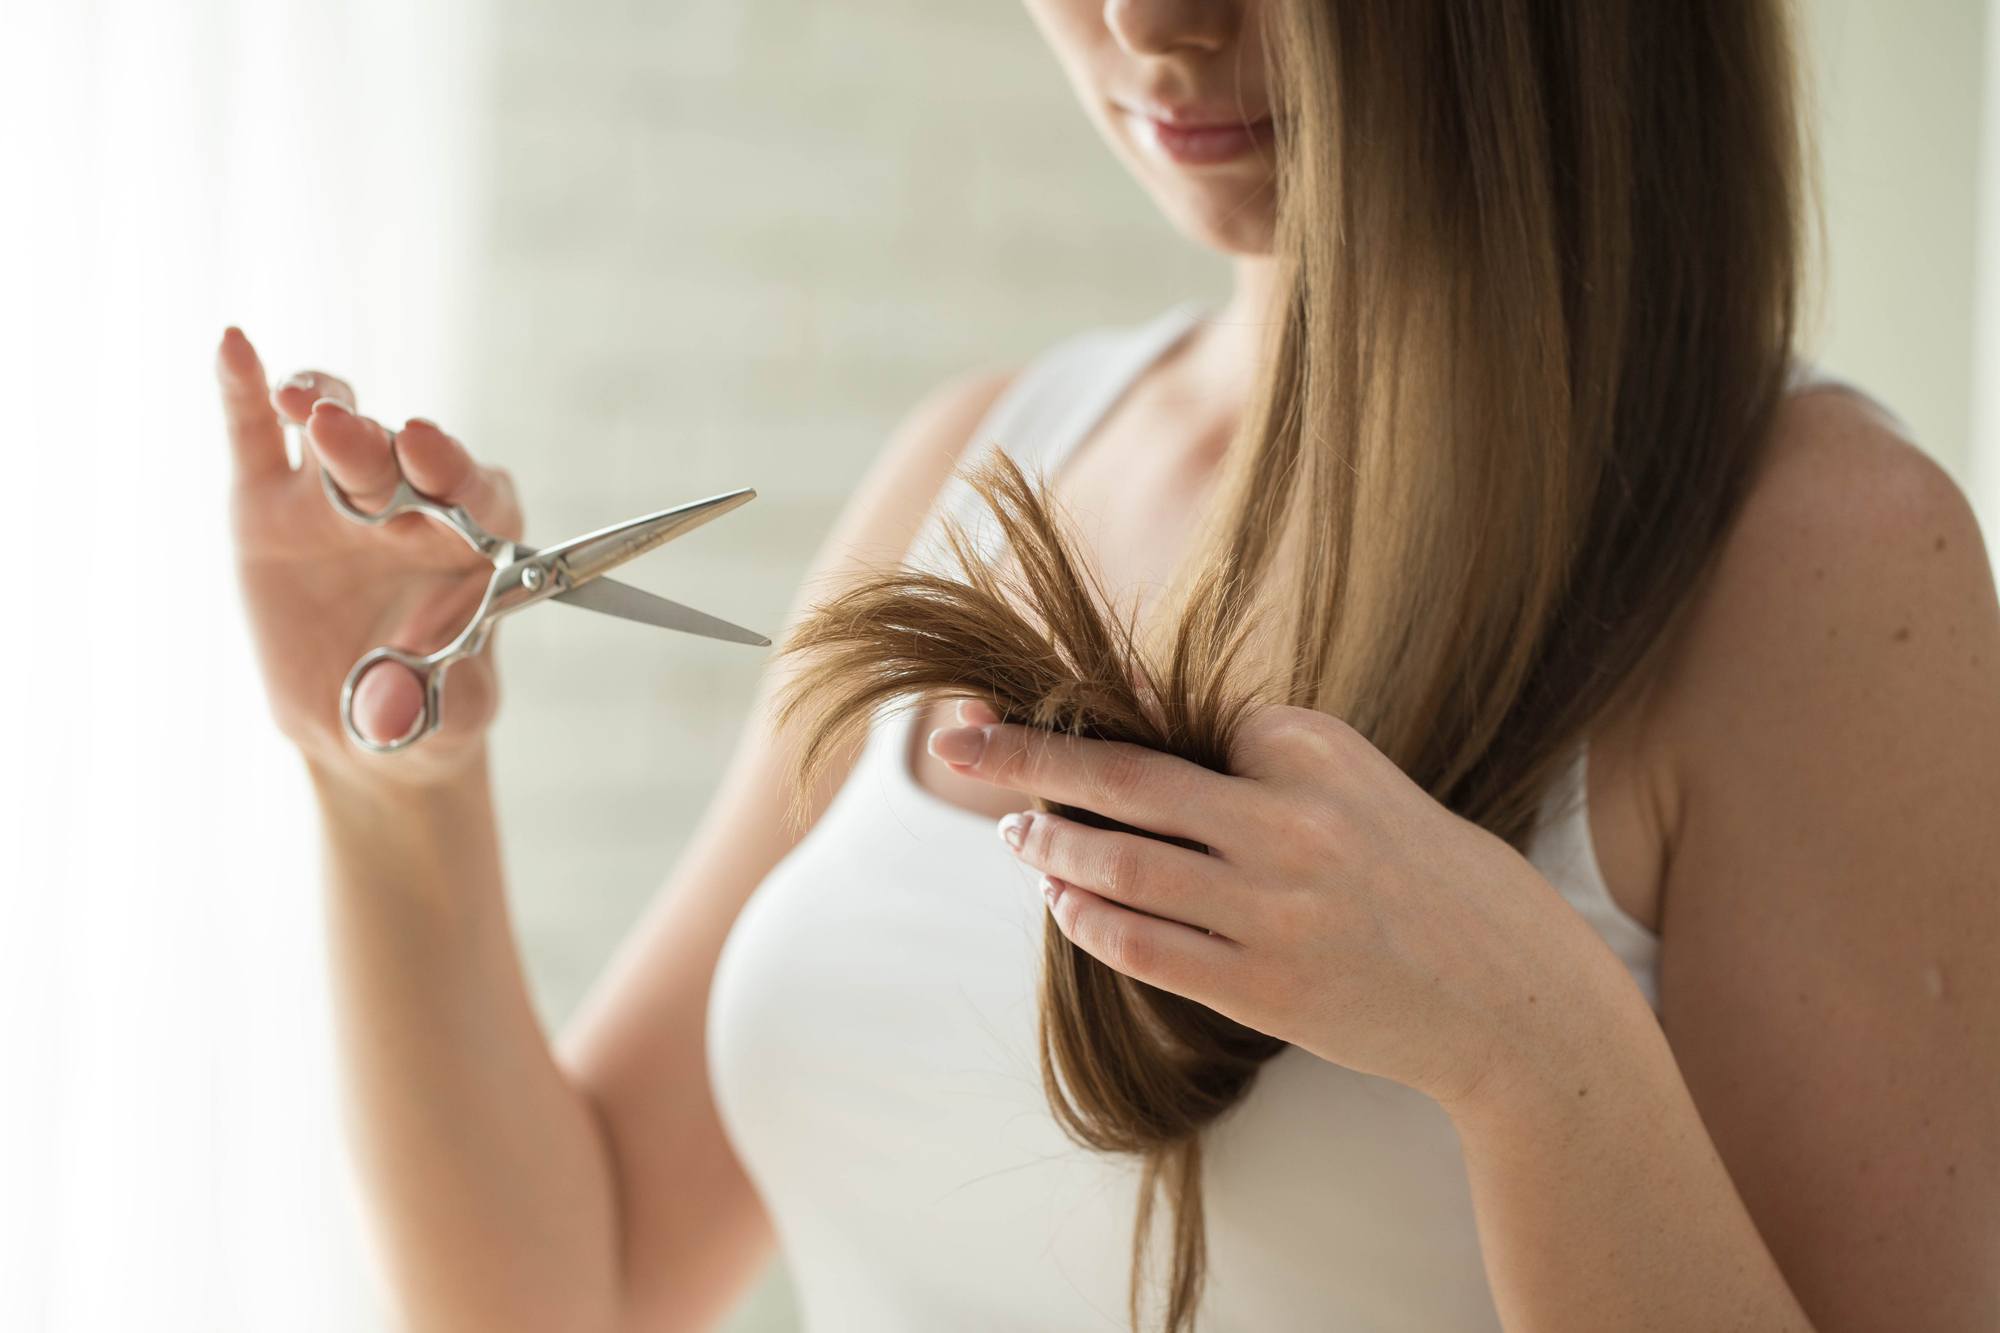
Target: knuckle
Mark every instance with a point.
(1119, 776)
(1300, 833)
(1124, 949)
(1299, 733)
(1120, 869)
(1311, 731)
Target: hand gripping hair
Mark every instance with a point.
(1127, 1068)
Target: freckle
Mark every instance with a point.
(1832, 632)
(1951, 1168)
(1940, 543)
(1802, 997)
(1902, 635)
(1819, 573)
(1531, 999)
(1581, 1091)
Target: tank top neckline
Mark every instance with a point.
(1150, 343)
(1565, 807)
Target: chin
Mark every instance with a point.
(1238, 225)
(1229, 207)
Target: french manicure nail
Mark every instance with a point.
(331, 405)
(1014, 829)
(1052, 889)
(958, 745)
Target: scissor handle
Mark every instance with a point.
(407, 499)
(429, 670)
(506, 591)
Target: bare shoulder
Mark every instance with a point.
(1855, 578)
(894, 497)
(1830, 716)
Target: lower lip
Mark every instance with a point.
(1200, 146)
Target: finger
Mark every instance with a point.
(256, 439)
(441, 467)
(1138, 872)
(387, 701)
(1160, 953)
(1129, 783)
(294, 398)
(354, 449)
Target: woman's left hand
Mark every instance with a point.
(1338, 908)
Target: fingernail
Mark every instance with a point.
(331, 405)
(305, 379)
(958, 745)
(1014, 829)
(1052, 890)
(423, 421)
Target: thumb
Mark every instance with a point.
(388, 700)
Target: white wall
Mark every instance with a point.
(1900, 110)
(1985, 462)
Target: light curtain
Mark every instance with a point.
(170, 1154)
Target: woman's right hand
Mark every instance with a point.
(322, 590)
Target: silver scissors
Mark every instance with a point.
(570, 571)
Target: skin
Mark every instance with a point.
(1805, 1139)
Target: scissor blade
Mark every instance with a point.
(585, 558)
(622, 599)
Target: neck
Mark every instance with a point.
(1226, 353)
(1254, 297)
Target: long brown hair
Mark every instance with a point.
(1541, 261)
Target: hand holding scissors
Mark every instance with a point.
(571, 571)
(391, 561)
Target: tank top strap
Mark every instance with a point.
(1039, 419)
(1051, 406)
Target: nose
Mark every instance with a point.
(1160, 27)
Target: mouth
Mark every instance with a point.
(1196, 140)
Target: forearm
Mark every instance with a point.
(485, 1170)
(1600, 1198)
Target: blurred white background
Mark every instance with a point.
(637, 253)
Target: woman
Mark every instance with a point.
(1500, 413)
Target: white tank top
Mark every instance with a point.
(871, 1044)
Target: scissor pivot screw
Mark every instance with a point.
(531, 578)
